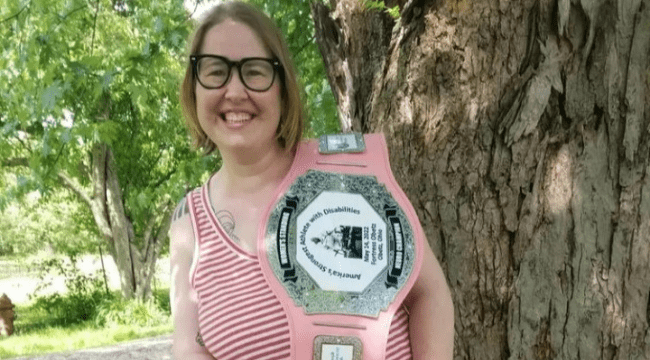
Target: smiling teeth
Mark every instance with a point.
(237, 118)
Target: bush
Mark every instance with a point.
(161, 297)
(85, 293)
(130, 312)
(70, 309)
(47, 312)
(87, 301)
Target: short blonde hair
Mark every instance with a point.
(290, 129)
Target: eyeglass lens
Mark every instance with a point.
(256, 74)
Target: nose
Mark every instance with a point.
(235, 88)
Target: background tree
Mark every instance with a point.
(91, 105)
(58, 222)
(521, 132)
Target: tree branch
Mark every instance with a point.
(164, 178)
(73, 185)
(98, 176)
(164, 227)
(92, 41)
(16, 14)
(22, 143)
(304, 46)
(14, 162)
(58, 156)
(63, 17)
(153, 243)
(196, 6)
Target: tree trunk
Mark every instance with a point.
(135, 266)
(520, 130)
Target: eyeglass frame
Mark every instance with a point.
(194, 59)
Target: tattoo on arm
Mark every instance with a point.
(227, 221)
(182, 209)
(199, 339)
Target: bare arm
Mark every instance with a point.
(431, 313)
(183, 297)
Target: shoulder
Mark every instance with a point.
(181, 233)
(182, 211)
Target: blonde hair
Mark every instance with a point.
(290, 129)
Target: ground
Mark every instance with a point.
(158, 348)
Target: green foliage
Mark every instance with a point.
(116, 311)
(44, 222)
(83, 73)
(161, 298)
(394, 12)
(130, 312)
(375, 5)
(84, 293)
(87, 301)
(86, 72)
(68, 310)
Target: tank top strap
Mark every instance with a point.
(198, 212)
(198, 219)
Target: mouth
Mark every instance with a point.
(236, 118)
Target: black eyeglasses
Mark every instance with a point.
(214, 71)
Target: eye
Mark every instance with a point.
(253, 72)
(213, 68)
(216, 72)
(257, 68)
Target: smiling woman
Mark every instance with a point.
(241, 98)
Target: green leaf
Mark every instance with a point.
(66, 136)
(91, 61)
(51, 95)
(394, 12)
(375, 5)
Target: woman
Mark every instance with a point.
(240, 96)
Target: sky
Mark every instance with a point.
(205, 5)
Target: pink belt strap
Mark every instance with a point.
(341, 248)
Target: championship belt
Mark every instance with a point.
(341, 247)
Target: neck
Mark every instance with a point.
(246, 172)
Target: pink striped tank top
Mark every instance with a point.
(239, 316)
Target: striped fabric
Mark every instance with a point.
(239, 316)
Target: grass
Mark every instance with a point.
(57, 339)
(37, 331)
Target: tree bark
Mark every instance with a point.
(136, 266)
(520, 131)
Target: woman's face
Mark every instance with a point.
(233, 116)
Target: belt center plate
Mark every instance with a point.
(340, 244)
